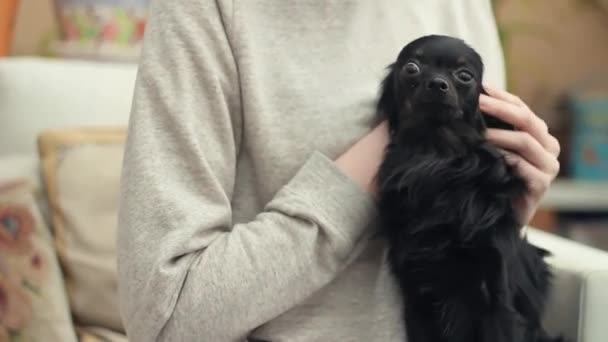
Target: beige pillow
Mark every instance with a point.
(95, 334)
(81, 169)
(33, 298)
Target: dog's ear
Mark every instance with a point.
(387, 108)
(490, 121)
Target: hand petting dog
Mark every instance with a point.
(531, 149)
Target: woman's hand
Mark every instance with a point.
(530, 148)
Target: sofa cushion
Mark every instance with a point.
(23, 166)
(81, 170)
(35, 307)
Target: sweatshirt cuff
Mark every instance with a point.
(321, 192)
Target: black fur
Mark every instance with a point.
(445, 201)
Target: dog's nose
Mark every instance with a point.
(438, 84)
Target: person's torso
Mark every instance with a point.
(309, 73)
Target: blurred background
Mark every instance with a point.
(72, 63)
(557, 61)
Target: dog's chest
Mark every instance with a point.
(440, 161)
(433, 183)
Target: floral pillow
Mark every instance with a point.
(33, 304)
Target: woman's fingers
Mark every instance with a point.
(527, 148)
(504, 95)
(508, 109)
(530, 149)
(537, 181)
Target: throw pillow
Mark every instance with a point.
(95, 334)
(81, 169)
(26, 167)
(33, 303)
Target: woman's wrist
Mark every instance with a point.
(362, 160)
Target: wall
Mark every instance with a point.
(35, 27)
(551, 45)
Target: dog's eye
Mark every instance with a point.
(412, 68)
(464, 76)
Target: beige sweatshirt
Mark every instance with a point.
(235, 223)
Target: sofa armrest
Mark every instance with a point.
(579, 302)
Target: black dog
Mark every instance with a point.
(445, 201)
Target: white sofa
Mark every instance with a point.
(36, 94)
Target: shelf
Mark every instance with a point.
(575, 195)
(96, 51)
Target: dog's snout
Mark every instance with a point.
(438, 84)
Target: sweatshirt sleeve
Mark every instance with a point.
(186, 271)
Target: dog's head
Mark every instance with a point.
(435, 79)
